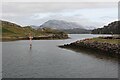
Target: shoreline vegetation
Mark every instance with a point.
(108, 45)
(44, 37)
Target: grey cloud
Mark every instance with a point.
(28, 13)
(35, 7)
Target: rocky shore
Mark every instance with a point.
(106, 47)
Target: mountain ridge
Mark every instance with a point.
(60, 24)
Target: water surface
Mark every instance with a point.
(46, 60)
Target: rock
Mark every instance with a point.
(111, 49)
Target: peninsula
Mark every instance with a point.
(109, 45)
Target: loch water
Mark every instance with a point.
(46, 60)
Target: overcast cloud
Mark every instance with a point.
(88, 14)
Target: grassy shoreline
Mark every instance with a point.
(52, 37)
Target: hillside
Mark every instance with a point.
(67, 27)
(112, 28)
(12, 30)
(76, 31)
(60, 24)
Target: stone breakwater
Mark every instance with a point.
(106, 48)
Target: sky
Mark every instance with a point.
(88, 14)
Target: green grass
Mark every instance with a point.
(111, 41)
(8, 29)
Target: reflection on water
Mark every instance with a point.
(30, 56)
(46, 60)
(30, 48)
(93, 53)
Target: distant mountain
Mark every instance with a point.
(67, 27)
(60, 24)
(112, 28)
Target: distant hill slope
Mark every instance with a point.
(9, 29)
(14, 30)
(67, 27)
(76, 31)
(112, 28)
(60, 24)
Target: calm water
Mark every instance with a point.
(46, 60)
